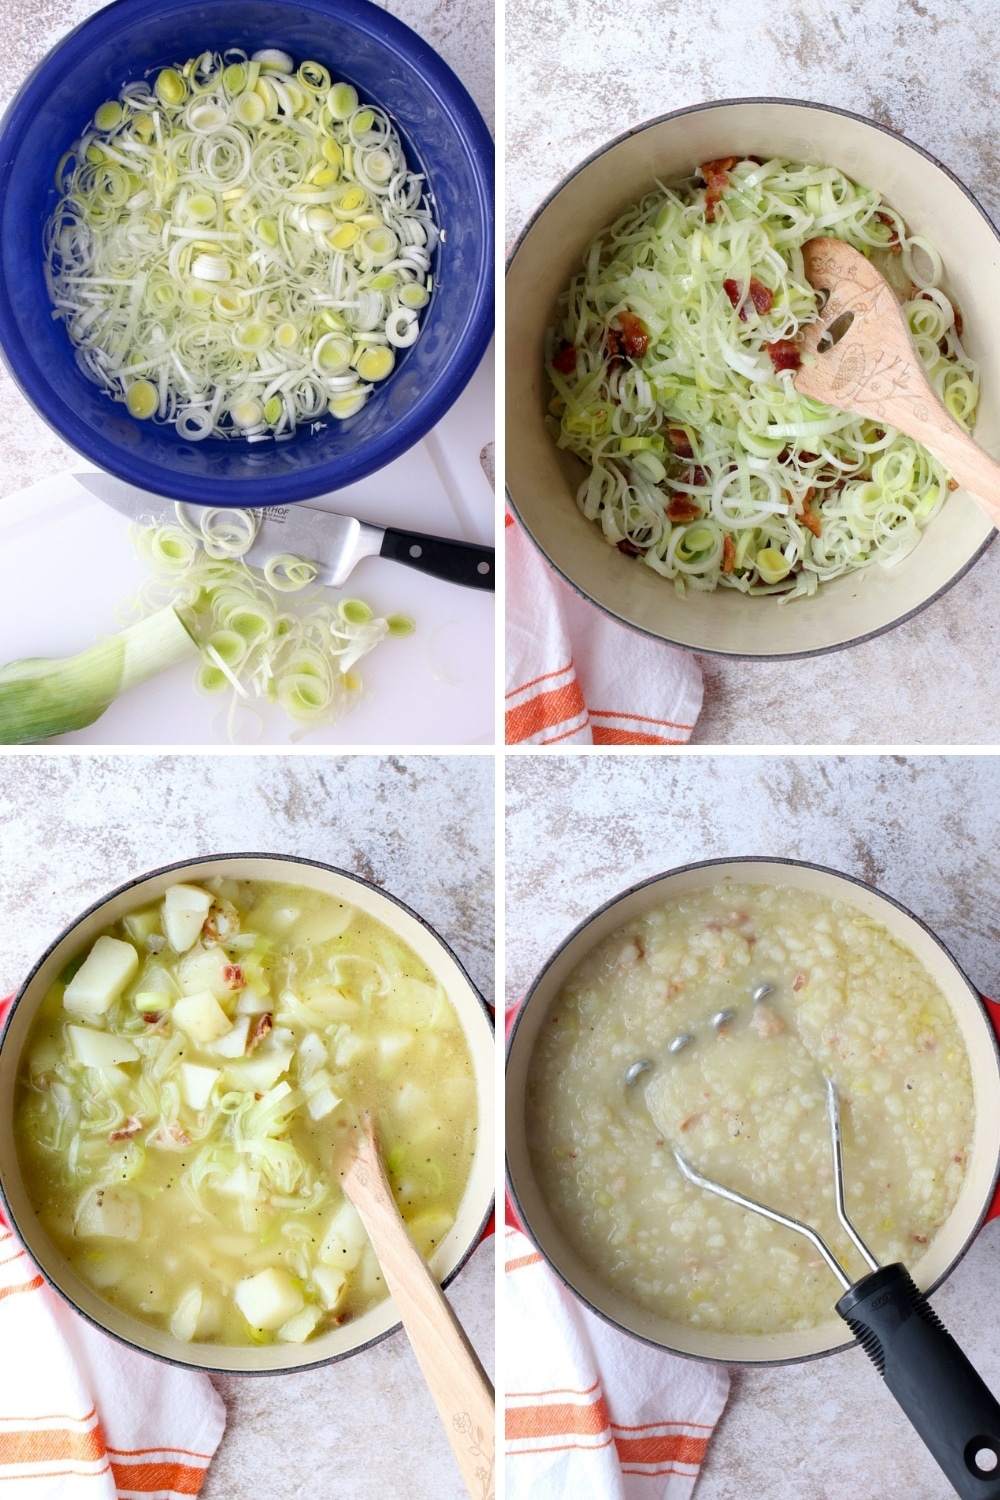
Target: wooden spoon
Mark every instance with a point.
(457, 1381)
(864, 361)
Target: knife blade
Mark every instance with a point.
(336, 544)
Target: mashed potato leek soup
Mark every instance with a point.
(187, 1084)
(744, 998)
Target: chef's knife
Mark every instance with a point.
(334, 543)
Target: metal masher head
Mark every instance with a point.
(730, 1194)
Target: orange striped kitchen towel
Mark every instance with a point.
(592, 1414)
(577, 677)
(82, 1417)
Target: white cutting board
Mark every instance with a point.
(66, 562)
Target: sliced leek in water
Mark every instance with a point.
(239, 247)
(667, 360)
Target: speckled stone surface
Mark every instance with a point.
(924, 830)
(73, 827)
(578, 75)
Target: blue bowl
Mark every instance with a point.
(443, 136)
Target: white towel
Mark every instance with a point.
(592, 1414)
(577, 677)
(83, 1417)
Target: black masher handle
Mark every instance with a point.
(947, 1402)
(458, 562)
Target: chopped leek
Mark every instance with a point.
(259, 644)
(40, 697)
(239, 247)
(670, 367)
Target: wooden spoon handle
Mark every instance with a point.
(974, 469)
(457, 1381)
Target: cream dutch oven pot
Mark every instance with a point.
(936, 1386)
(474, 1209)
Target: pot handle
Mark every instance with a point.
(992, 1009)
(947, 1402)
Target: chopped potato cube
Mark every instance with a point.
(185, 908)
(330, 1282)
(234, 1043)
(428, 1229)
(268, 1299)
(298, 1329)
(391, 1046)
(101, 978)
(209, 969)
(100, 1049)
(142, 924)
(202, 1017)
(111, 1211)
(184, 1323)
(261, 1070)
(322, 1103)
(345, 1239)
(332, 1003)
(197, 1084)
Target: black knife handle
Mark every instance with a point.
(458, 562)
(950, 1406)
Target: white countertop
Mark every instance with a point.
(72, 827)
(924, 830)
(577, 76)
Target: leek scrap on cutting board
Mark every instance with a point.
(215, 610)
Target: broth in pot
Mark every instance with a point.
(745, 998)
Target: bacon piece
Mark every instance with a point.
(953, 484)
(728, 553)
(784, 354)
(630, 549)
(131, 1127)
(716, 178)
(680, 442)
(634, 334)
(152, 1017)
(800, 980)
(959, 325)
(565, 360)
(809, 520)
(682, 508)
(888, 220)
(170, 1136)
(233, 976)
(263, 1025)
(732, 291)
(766, 1022)
(761, 296)
(698, 476)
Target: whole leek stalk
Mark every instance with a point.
(41, 697)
